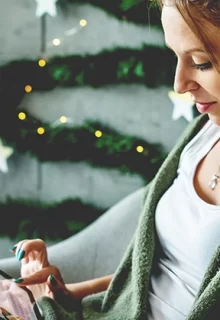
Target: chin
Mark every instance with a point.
(215, 119)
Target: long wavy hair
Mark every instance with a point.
(203, 18)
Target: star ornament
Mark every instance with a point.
(5, 153)
(46, 6)
(183, 105)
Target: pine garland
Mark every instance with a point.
(151, 66)
(111, 150)
(136, 11)
(28, 219)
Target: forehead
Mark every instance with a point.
(177, 33)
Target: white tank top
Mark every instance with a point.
(188, 231)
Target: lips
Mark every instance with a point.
(203, 107)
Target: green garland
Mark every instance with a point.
(27, 219)
(136, 11)
(151, 66)
(111, 150)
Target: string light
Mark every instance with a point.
(63, 119)
(98, 133)
(28, 88)
(40, 130)
(83, 22)
(42, 63)
(21, 116)
(56, 42)
(140, 149)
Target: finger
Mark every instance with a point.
(30, 250)
(17, 248)
(55, 285)
(59, 292)
(36, 245)
(39, 258)
(39, 277)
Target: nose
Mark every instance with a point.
(183, 81)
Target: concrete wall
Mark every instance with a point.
(131, 109)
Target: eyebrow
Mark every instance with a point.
(189, 51)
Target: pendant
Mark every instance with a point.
(213, 181)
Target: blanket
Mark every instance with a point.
(127, 295)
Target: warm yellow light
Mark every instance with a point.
(98, 133)
(22, 115)
(42, 63)
(40, 130)
(83, 22)
(140, 149)
(28, 88)
(63, 119)
(56, 42)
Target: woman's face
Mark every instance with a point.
(194, 72)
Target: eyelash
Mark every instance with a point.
(201, 67)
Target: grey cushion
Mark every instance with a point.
(95, 251)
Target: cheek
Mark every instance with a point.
(215, 91)
(211, 84)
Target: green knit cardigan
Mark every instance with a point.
(127, 295)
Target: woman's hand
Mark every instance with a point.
(38, 275)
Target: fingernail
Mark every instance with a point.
(17, 253)
(13, 248)
(20, 255)
(18, 280)
(52, 279)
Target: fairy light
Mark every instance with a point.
(42, 63)
(40, 130)
(140, 149)
(70, 32)
(83, 22)
(22, 116)
(98, 133)
(63, 119)
(56, 42)
(28, 88)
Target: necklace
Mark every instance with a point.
(213, 182)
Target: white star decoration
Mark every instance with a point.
(5, 153)
(183, 105)
(46, 6)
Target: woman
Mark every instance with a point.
(171, 267)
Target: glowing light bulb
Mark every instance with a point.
(22, 116)
(56, 42)
(63, 119)
(40, 130)
(83, 22)
(28, 88)
(140, 149)
(98, 133)
(42, 63)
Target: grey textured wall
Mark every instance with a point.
(131, 109)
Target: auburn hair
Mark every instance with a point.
(203, 18)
